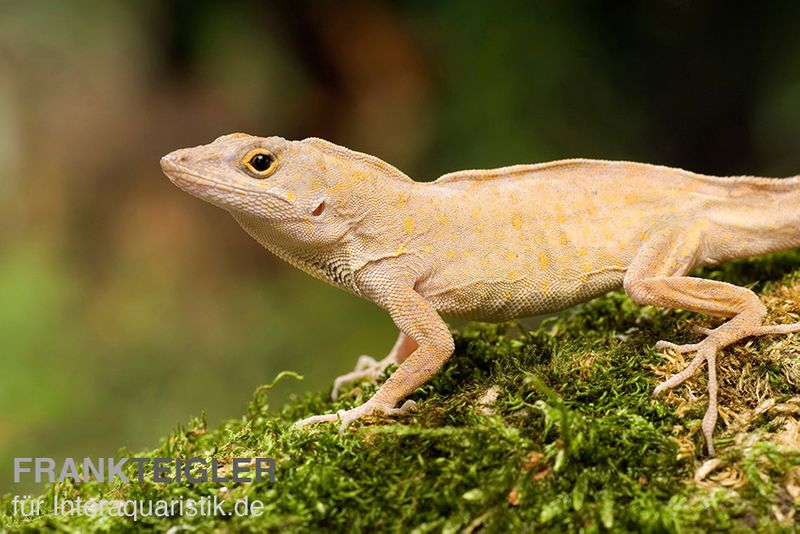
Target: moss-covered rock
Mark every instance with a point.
(553, 429)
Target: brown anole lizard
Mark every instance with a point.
(495, 245)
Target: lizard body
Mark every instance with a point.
(498, 244)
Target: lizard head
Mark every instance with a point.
(275, 184)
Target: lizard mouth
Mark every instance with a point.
(224, 195)
(194, 183)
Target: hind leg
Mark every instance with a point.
(657, 277)
(711, 297)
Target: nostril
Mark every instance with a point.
(167, 163)
(319, 209)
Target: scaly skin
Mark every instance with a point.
(497, 244)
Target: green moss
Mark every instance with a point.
(554, 429)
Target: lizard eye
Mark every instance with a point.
(259, 163)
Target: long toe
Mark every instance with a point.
(365, 362)
(709, 422)
(710, 418)
(407, 407)
(314, 419)
(351, 377)
(348, 416)
(776, 329)
(681, 377)
(702, 330)
(367, 368)
(690, 347)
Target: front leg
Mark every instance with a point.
(418, 320)
(369, 369)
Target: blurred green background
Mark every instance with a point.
(127, 306)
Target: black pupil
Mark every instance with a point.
(261, 162)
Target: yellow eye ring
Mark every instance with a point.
(259, 163)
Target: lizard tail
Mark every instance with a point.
(759, 214)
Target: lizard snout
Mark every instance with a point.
(173, 160)
(175, 167)
(167, 164)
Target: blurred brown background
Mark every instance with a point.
(127, 306)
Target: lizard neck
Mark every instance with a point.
(330, 264)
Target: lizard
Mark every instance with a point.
(496, 245)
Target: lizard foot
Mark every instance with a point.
(348, 416)
(367, 368)
(706, 352)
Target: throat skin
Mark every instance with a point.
(331, 264)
